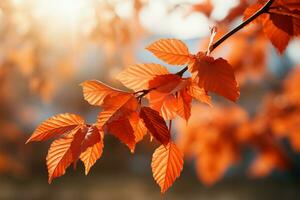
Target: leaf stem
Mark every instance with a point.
(181, 72)
(170, 126)
(143, 93)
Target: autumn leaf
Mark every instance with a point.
(280, 23)
(167, 164)
(291, 4)
(115, 117)
(91, 155)
(121, 102)
(163, 98)
(62, 153)
(136, 77)
(95, 92)
(215, 76)
(56, 126)
(92, 147)
(138, 126)
(167, 107)
(184, 101)
(75, 137)
(122, 129)
(172, 51)
(198, 93)
(155, 124)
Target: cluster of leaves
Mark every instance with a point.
(280, 23)
(124, 115)
(129, 118)
(216, 141)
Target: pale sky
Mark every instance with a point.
(156, 18)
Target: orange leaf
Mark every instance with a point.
(62, 153)
(167, 164)
(198, 93)
(92, 148)
(167, 107)
(91, 155)
(162, 98)
(121, 128)
(117, 106)
(215, 76)
(291, 4)
(184, 101)
(279, 29)
(56, 126)
(122, 102)
(155, 124)
(172, 51)
(115, 117)
(280, 23)
(136, 77)
(138, 126)
(94, 92)
(117, 125)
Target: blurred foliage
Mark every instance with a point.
(41, 67)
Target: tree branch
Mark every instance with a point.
(261, 11)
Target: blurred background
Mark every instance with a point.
(248, 150)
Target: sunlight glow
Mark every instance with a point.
(66, 14)
(156, 18)
(57, 18)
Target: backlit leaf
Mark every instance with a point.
(215, 76)
(56, 126)
(162, 98)
(115, 117)
(92, 148)
(138, 126)
(94, 92)
(198, 93)
(136, 77)
(122, 129)
(184, 101)
(167, 164)
(155, 124)
(62, 153)
(172, 51)
(280, 23)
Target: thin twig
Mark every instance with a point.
(181, 72)
(264, 9)
(261, 11)
(170, 126)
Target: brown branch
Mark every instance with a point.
(142, 93)
(181, 72)
(261, 11)
(170, 126)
